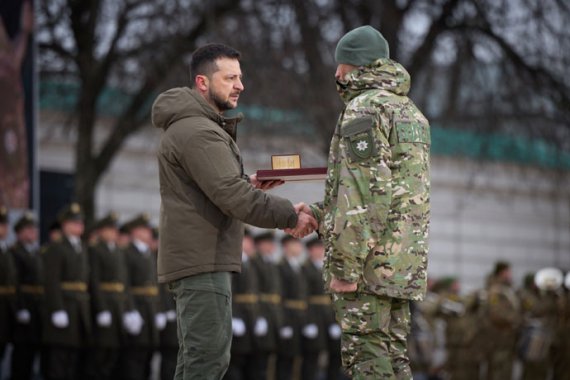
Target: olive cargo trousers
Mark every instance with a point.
(204, 318)
(374, 336)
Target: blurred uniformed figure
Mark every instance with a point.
(245, 311)
(320, 313)
(144, 322)
(54, 231)
(27, 329)
(562, 341)
(108, 280)
(266, 329)
(168, 336)
(504, 316)
(541, 310)
(67, 320)
(7, 287)
(461, 331)
(294, 301)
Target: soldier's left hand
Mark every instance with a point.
(340, 286)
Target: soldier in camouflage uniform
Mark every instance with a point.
(374, 219)
(503, 311)
(7, 287)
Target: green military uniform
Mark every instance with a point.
(245, 311)
(7, 290)
(141, 268)
(562, 340)
(67, 320)
(320, 313)
(109, 300)
(294, 301)
(461, 335)
(269, 283)
(503, 310)
(168, 337)
(28, 328)
(540, 311)
(375, 215)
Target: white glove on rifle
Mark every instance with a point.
(23, 316)
(104, 318)
(60, 319)
(238, 327)
(310, 331)
(261, 327)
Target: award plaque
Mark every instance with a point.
(287, 167)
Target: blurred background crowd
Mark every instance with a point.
(87, 305)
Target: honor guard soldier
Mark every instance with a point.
(562, 352)
(29, 269)
(321, 314)
(266, 329)
(67, 318)
(142, 338)
(7, 286)
(107, 279)
(245, 304)
(294, 301)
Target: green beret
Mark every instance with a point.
(26, 220)
(361, 47)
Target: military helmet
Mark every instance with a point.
(26, 220)
(549, 279)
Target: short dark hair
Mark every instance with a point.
(204, 59)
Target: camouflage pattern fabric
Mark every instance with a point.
(374, 334)
(375, 215)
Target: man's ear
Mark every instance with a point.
(201, 82)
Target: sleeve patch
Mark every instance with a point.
(359, 138)
(410, 131)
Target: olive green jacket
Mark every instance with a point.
(205, 194)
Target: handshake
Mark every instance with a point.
(306, 223)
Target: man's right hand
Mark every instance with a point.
(306, 224)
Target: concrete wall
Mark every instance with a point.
(481, 212)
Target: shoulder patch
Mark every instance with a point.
(412, 131)
(359, 138)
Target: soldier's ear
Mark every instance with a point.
(202, 83)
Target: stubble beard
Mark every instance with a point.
(219, 102)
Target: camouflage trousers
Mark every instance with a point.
(374, 334)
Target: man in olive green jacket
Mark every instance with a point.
(205, 198)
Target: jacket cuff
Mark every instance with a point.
(292, 220)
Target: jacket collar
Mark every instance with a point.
(228, 124)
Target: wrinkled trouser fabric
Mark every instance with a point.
(204, 319)
(374, 334)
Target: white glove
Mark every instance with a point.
(160, 321)
(334, 331)
(133, 322)
(238, 327)
(104, 318)
(311, 331)
(23, 316)
(171, 315)
(261, 327)
(286, 332)
(60, 319)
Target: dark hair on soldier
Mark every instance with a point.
(204, 59)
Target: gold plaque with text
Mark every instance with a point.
(288, 161)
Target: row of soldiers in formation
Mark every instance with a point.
(494, 333)
(94, 310)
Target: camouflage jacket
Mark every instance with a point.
(375, 215)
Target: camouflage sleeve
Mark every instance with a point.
(318, 212)
(364, 193)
